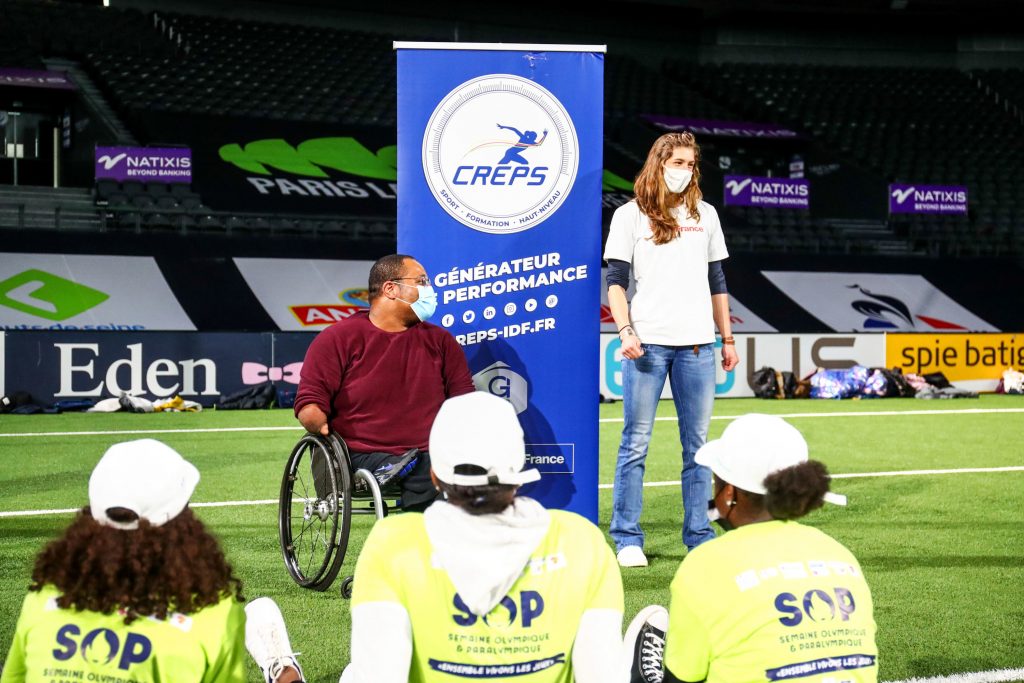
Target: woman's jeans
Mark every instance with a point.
(692, 379)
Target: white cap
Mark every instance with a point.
(479, 429)
(754, 446)
(145, 476)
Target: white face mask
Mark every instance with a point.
(677, 178)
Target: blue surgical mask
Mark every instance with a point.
(425, 304)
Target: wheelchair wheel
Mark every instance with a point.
(315, 510)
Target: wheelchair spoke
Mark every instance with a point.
(306, 526)
(314, 512)
(302, 483)
(314, 545)
(310, 562)
(300, 479)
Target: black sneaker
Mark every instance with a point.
(392, 472)
(644, 645)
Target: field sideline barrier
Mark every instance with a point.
(971, 361)
(201, 366)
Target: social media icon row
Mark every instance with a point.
(509, 309)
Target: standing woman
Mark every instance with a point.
(674, 244)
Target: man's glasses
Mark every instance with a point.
(422, 280)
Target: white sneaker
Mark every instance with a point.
(643, 647)
(266, 639)
(632, 556)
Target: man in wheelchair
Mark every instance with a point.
(378, 378)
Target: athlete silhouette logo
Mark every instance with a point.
(526, 140)
(882, 312)
(877, 311)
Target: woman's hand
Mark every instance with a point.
(730, 359)
(631, 347)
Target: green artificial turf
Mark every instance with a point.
(943, 553)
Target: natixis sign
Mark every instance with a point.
(934, 199)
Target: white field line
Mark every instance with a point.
(117, 432)
(854, 475)
(866, 413)
(871, 413)
(222, 504)
(650, 484)
(993, 676)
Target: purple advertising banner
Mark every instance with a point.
(148, 164)
(35, 78)
(728, 129)
(787, 193)
(927, 198)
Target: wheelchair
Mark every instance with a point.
(320, 492)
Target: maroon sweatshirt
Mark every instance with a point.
(381, 390)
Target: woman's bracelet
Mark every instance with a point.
(630, 333)
(729, 340)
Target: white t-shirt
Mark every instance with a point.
(672, 304)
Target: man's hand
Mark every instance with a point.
(730, 359)
(314, 419)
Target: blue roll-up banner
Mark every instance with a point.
(499, 161)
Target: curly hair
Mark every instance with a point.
(797, 490)
(153, 570)
(652, 195)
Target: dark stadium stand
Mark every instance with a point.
(1005, 86)
(259, 69)
(937, 126)
(873, 125)
(632, 88)
(46, 29)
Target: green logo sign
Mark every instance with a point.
(611, 182)
(49, 296)
(311, 157)
(345, 154)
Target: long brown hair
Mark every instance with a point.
(152, 570)
(653, 196)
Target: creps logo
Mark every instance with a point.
(500, 154)
(49, 296)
